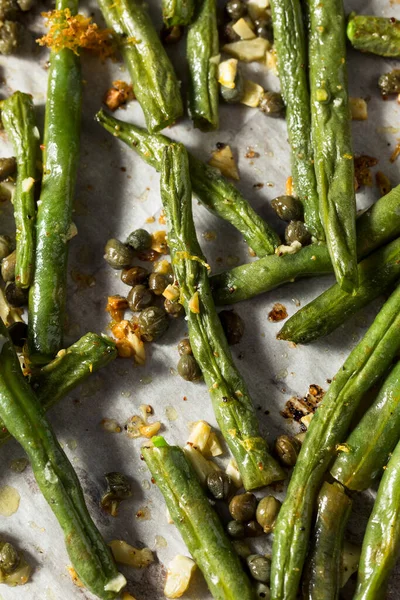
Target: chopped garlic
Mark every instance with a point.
(292, 249)
(159, 242)
(125, 554)
(116, 584)
(201, 465)
(128, 342)
(306, 420)
(358, 109)
(150, 430)
(179, 574)
(213, 446)
(248, 50)
(227, 71)
(27, 184)
(199, 435)
(194, 304)
(233, 472)
(163, 267)
(271, 61)
(257, 9)
(252, 95)
(171, 293)
(223, 160)
(243, 30)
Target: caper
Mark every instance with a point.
(296, 231)
(134, 275)
(188, 368)
(259, 567)
(184, 347)
(241, 548)
(389, 83)
(118, 489)
(219, 484)
(287, 449)
(139, 298)
(288, 208)
(173, 309)
(157, 283)
(117, 254)
(10, 36)
(15, 295)
(18, 333)
(153, 322)
(8, 166)
(8, 267)
(26, 4)
(171, 35)
(6, 246)
(262, 591)
(267, 512)
(235, 9)
(272, 104)
(243, 507)
(235, 530)
(263, 29)
(233, 326)
(9, 558)
(139, 240)
(228, 34)
(252, 529)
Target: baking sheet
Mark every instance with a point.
(116, 193)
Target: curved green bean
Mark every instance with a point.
(25, 420)
(366, 451)
(215, 192)
(378, 35)
(197, 522)
(290, 44)
(365, 365)
(54, 216)
(18, 117)
(232, 404)
(153, 77)
(381, 544)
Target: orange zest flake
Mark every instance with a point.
(75, 32)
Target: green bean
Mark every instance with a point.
(377, 226)
(177, 12)
(25, 420)
(377, 273)
(18, 117)
(197, 522)
(378, 35)
(324, 563)
(202, 53)
(290, 44)
(214, 191)
(153, 78)
(331, 134)
(232, 404)
(381, 544)
(53, 227)
(362, 369)
(365, 453)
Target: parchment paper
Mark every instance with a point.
(116, 192)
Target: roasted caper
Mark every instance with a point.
(118, 255)
(243, 507)
(15, 295)
(241, 548)
(8, 166)
(6, 246)
(236, 9)
(139, 298)
(232, 325)
(139, 240)
(288, 208)
(10, 36)
(262, 591)
(235, 530)
(389, 83)
(134, 275)
(173, 309)
(188, 368)
(219, 485)
(9, 558)
(287, 449)
(259, 567)
(171, 35)
(296, 231)
(18, 333)
(8, 267)
(157, 283)
(272, 104)
(184, 347)
(267, 512)
(252, 529)
(153, 322)
(263, 29)
(118, 489)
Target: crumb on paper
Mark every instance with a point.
(278, 313)
(297, 408)
(110, 425)
(251, 153)
(222, 159)
(395, 154)
(362, 173)
(118, 95)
